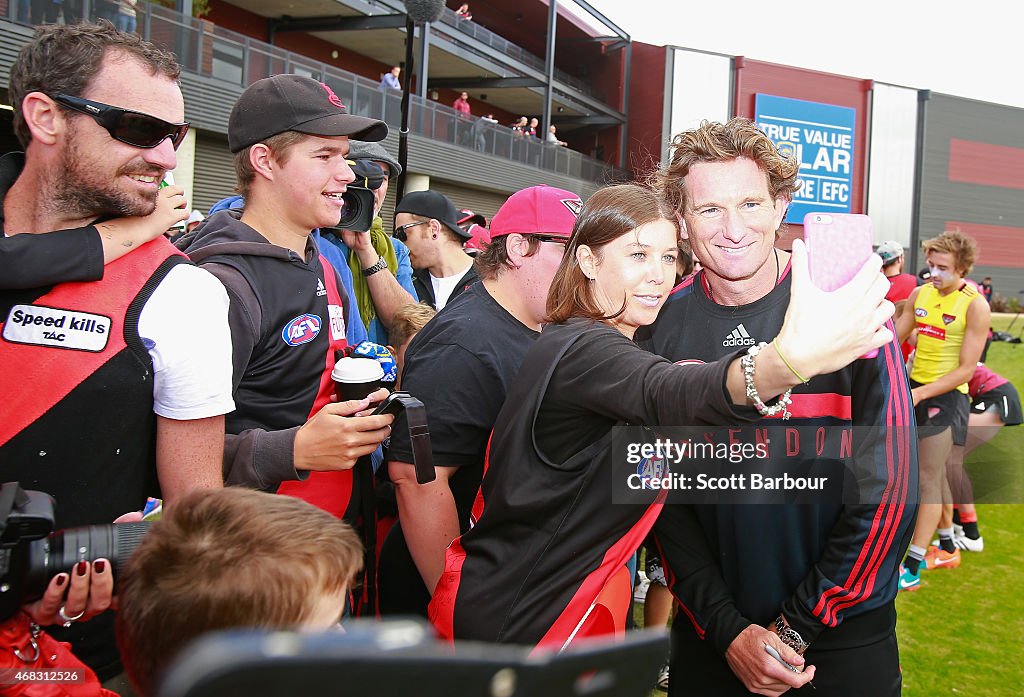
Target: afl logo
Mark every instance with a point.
(921, 312)
(301, 330)
(651, 468)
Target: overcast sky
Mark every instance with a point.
(969, 49)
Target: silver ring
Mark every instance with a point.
(68, 620)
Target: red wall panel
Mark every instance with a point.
(646, 100)
(997, 245)
(756, 77)
(983, 163)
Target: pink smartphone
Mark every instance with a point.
(838, 244)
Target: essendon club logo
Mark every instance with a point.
(574, 205)
(333, 98)
(948, 319)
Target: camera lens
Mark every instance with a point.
(352, 211)
(62, 550)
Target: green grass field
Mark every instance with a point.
(963, 632)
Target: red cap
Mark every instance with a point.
(479, 238)
(542, 209)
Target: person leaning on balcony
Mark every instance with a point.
(389, 81)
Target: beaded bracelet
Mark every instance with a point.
(784, 400)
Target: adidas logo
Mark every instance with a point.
(739, 337)
(320, 290)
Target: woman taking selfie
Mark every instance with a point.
(545, 562)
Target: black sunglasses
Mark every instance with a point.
(557, 239)
(400, 230)
(131, 127)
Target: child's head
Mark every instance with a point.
(408, 320)
(227, 559)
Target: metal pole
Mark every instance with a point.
(421, 81)
(403, 131)
(623, 128)
(549, 70)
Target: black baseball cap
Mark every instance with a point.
(295, 103)
(431, 204)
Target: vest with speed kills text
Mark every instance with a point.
(77, 389)
(941, 325)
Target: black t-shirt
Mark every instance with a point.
(460, 365)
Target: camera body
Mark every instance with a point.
(357, 214)
(31, 553)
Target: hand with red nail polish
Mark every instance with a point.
(82, 592)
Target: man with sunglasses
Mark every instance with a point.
(114, 389)
(461, 365)
(426, 222)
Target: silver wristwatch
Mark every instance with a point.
(790, 637)
(379, 266)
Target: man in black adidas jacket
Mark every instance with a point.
(799, 571)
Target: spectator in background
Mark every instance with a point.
(426, 222)
(464, 13)
(389, 81)
(901, 285)
(125, 18)
(521, 126)
(476, 225)
(409, 320)
(380, 269)
(461, 105)
(461, 365)
(231, 559)
(531, 130)
(552, 136)
(986, 288)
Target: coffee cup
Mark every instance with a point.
(355, 378)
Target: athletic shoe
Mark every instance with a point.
(640, 590)
(938, 558)
(663, 678)
(968, 545)
(908, 581)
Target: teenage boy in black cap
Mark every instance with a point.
(427, 222)
(288, 312)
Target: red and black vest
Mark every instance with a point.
(77, 389)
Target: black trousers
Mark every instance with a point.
(872, 670)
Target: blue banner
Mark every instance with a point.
(820, 136)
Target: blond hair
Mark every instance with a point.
(409, 319)
(962, 247)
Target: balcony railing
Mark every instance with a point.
(223, 55)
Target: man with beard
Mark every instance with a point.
(113, 390)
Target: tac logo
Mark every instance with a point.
(948, 319)
(332, 98)
(921, 312)
(301, 330)
(651, 468)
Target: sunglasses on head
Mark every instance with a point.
(127, 126)
(556, 239)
